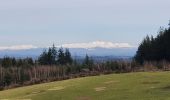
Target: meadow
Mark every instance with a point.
(127, 86)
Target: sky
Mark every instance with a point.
(40, 23)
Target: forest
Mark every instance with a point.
(52, 65)
(155, 48)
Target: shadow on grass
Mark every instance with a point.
(149, 82)
(166, 88)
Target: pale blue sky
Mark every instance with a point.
(44, 22)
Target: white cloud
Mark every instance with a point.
(17, 47)
(89, 45)
(100, 44)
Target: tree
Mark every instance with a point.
(7, 62)
(68, 58)
(7, 78)
(53, 54)
(43, 58)
(48, 57)
(88, 62)
(61, 57)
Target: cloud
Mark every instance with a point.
(17, 47)
(88, 45)
(97, 44)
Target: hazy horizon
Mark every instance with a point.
(41, 23)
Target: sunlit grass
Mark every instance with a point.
(130, 86)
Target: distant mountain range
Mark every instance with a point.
(76, 52)
(96, 49)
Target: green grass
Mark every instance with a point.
(130, 86)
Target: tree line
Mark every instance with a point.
(53, 64)
(155, 48)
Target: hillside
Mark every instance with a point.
(131, 86)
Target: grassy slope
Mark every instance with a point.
(131, 86)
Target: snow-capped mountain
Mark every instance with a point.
(97, 48)
(97, 44)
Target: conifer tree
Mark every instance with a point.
(61, 56)
(68, 57)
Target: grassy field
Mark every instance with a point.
(130, 86)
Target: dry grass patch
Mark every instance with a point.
(31, 94)
(98, 89)
(84, 98)
(110, 82)
(57, 88)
